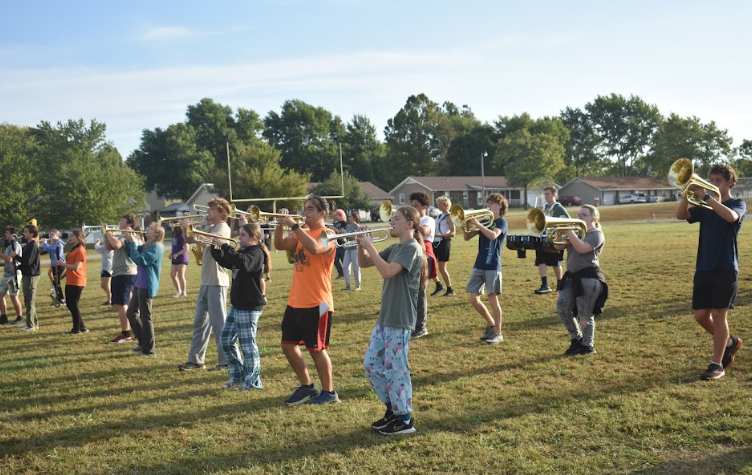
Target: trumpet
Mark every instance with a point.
(258, 216)
(381, 234)
(538, 223)
(116, 229)
(386, 211)
(235, 212)
(90, 228)
(681, 175)
(201, 219)
(460, 218)
(211, 239)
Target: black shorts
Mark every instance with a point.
(179, 263)
(714, 289)
(105, 274)
(551, 259)
(305, 326)
(442, 249)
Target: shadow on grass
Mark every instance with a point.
(730, 462)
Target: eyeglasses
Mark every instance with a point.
(580, 215)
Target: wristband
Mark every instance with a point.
(706, 197)
(295, 226)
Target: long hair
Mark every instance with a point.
(411, 214)
(253, 230)
(158, 239)
(81, 239)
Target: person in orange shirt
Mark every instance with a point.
(307, 319)
(75, 265)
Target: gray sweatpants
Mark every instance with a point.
(211, 311)
(584, 328)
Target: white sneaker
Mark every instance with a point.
(176, 294)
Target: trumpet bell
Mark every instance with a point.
(460, 218)
(538, 223)
(681, 175)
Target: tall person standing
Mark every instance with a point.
(442, 245)
(55, 248)
(308, 316)
(124, 272)
(549, 257)
(105, 271)
(419, 201)
(211, 306)
(11, 277)
(717, 266)
(30, 273)
(148, 258)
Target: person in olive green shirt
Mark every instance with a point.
(549, 257)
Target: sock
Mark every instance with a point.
(719, 364)
(127, 333)
(404, 417)
(544, 281)
(308, 386)
(450, 289)
(439, 286)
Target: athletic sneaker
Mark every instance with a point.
(301, 395)
(26, 329)
(449, 292)
(439, 289)
(495, 339)
(419, 333)
(574, 347)
(177, 294)
(17, 321)
(324, 398)
(384, 421)
(138, 349)
(586, 350)
(487, 334)
(714, 371)
(397, 427)
(346, 288)
(219, 367)
(544, 289)
(231, 385)
(121, 338)
(77, 332)
(730, 352)
(3, 320)
(189, 366)
(106, 304)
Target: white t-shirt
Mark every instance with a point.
(431, 223)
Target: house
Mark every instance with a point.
(467, 191)
(169, 208)
(606, 190)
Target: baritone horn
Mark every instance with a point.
(460, 218)
(681, 175)
(211, 239)
(538, 223)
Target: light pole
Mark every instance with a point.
(483, 173)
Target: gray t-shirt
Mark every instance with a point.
(576, 261)
(212, 273)
(399, 295)
(11, 268)
(106, 258)
(121, 263)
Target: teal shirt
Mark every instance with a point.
(151, 260)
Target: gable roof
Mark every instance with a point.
(207, 186)
(627, 183)
(371, 191)
(455, 183)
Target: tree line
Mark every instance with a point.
(84, 178)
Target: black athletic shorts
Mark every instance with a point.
(714, 289)
(305, 326)
(551, 259)
(442, 249)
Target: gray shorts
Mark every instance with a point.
(484, 279)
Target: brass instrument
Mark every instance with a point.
(116, 229)
(211, 239)
(236, 213)
(681, 175)
(386, 211)
(89, 228)
(198, 253)
(258, 216)
(538, 223)
(460, 218)
(201, 219)
(382, 234)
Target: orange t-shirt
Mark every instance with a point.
(312, 276)
(76, 277)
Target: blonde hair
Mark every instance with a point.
(444, 200)
(595, 214)
(411, 214)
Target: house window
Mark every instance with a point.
(402, 198)
(480, 198)
(464, 195)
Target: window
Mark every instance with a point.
(464, 195)
(480, 198)
(401, 198)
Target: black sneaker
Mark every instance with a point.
(574, 348)
(384, 421)
(449, 292)
(419, 333)
(17, 321)
(488, 333)
(544, 289)
(714, 371)
(730, 353)
(586, 350)
(189, 366)
(439, 289)
(3, 320)
(219, 367)
(397, 427)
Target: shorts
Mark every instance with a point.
(714, 289)
(481, 280)
(121, 288)
(551, 259)
(9, 285)
(104, 273)
(442, 249)
(179, 263)
(305, 326)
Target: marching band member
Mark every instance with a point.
(583, 287)
(30, 273)
(717, 268)
(124, 272)
(404, 269)
(339, 225)
(11, 276)
(75, 279)
(308, 316)
(486, 273)
(442, 244)
(212, 295)
(545, 258)
(179, 261)
(55, 248)
(105, 271)
(419, 201)
(148, 259)
(247, 303)
(351, 253)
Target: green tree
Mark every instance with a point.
(19, 153)
(465, 151)
(85, 179)
(581, 155)
(361, 148)
(743, 162)
(354, 199)
(308, 138)
(625, 128)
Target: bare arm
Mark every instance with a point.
(578, 244)
(386, 269)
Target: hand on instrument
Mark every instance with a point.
(698, 190)
(12, 254)
(243, 219)
(364, 240)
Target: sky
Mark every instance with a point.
(138, 65)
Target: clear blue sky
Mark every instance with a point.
(138, 64)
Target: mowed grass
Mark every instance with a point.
(74, 404)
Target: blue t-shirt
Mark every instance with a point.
(489, 252)
(717, 249)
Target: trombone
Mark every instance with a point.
(201, 219)
(258, 216)
(538, 223)
(90, 228)
(681, 175)
(460, 218)
(211, 239)
(381, 234)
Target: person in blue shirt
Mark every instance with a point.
(486, 273)
(717, 267)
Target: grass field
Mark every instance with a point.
(74, 404)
